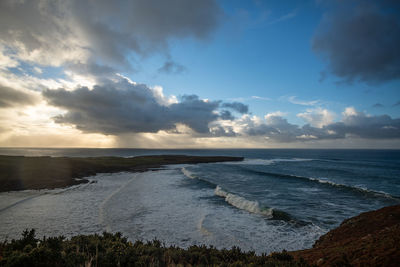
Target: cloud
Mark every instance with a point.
(354, 124)
(285, 17)
(10, 97)
(358, 124)
(260, 98)
(91, 69)
(103, 32)
(296, 101)
(119, 107)
(274, 127)
(366, 126)
(360, 40)
(317, 117)
(171, 67)
(245, 99)
(274, 114)
(6, 61)
(396, 104)
(237, 106)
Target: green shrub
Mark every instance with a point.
(115, 250)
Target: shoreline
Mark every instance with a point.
(22, 173)
(369, 239)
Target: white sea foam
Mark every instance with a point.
(102, 216)
(242, 203)
(201, 227)
(150, 206)
(188, 173)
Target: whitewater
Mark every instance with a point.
(273, 200)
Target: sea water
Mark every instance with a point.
(273, 200)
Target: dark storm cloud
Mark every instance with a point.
(361, 40)
(10, 97)
(237, 106)
(110, 32)
(226, 115)
(372, 127)
(119, 107)
(124, 107)
(171, 67)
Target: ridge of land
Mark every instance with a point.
(21, 173)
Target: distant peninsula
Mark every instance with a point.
(21, 173)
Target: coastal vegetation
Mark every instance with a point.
(19, 172)
(115, 250)
(369, 239)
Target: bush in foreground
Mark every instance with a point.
(115, 250)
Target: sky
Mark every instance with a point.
(200, 74)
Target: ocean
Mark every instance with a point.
(275, 199)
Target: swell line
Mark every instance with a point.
(327, 183)
(248, 161)
(191, 175)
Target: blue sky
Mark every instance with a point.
(265, 50)
(329, 65)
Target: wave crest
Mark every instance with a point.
(326, 182)
(188, 173)
(242, 203)
(354, 188)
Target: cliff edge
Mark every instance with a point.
(369, 239)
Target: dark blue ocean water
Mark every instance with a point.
(274, 199)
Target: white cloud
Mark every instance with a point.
(161, 98)
(350, 111)
(275, 114)
(260, 98)
(285, 17)
(6, 61)
(318, 117)
(38, 70)
(296, 101)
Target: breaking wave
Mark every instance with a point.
(188, 173)
(191, 175)
(242, 203)
(254, 207)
